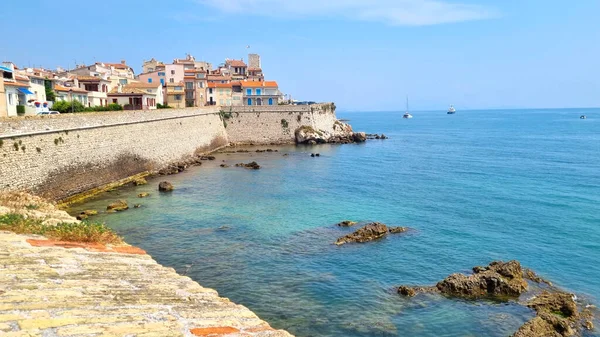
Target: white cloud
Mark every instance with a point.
(393, 12)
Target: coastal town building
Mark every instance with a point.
(220, 94)
(96, 87)
(69, 94)
(236, 69)
(260, 93)
(175, 95)
(136, 96)
(3, 110)
(152, 65)
(116, 73)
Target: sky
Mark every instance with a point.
(364, 55)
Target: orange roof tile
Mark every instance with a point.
(67, 89)
(17, 84)
(144, 85)
(236, 63)
(219, 85)
(259, 84)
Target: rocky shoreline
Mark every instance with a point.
(50, 287)
(558, 313)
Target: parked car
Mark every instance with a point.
(48, 113)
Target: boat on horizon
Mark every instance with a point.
(583, 117)
(406, 114)
(451, 111)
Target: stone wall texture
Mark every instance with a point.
(60, 156)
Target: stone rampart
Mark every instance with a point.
(60, 156)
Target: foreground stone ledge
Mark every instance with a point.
(55, 288)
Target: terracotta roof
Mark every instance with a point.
(219, 85)
(115, 65)
(254, 69)
(67, 89)
(88, 78)
(177, 84)
(17, 84)
(144, 85)
(128, 89)
(236, 63)
(260, 84)
(21, 77)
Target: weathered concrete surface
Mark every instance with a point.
(47, 290)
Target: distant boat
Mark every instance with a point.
(451, 111)
(583, 116)
(406, 114)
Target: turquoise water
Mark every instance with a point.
(476, 186)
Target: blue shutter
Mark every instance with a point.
(270, 101)
(249, 100)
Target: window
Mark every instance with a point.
(172, 72)
(149, 80)
(258, 91)
(270, 101)
(123, 81)
(178, 97)
(10, 99)
(249, 101)
(201, 84)
(221, 102)
(171, 80)
(210, 91)
(189, 85)
(162, 81)
(161, 74)
(114, 100)
(248, 92)
(178, 88)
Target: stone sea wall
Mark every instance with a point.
(60, 156)
(275, 124)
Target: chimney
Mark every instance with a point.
(123, 62)
(120, 88)
(76, 82)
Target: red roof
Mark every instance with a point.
(236, 63)
(219, 85)
(67, 89)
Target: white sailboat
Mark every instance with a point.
(406, 114)
(451, 111)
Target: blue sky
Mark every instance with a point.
(364, 55)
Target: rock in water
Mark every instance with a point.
(143, 195)
(252, 165)
(165, 186)
(347, 223)
(90, 212)
(140, 181)
(118, 206)
(406, 291)
(498, 279)
(370, 232)
(359, 137)
(396, 230)
(557, 315)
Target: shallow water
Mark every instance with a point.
(475, 187)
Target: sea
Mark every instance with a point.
(474, 187)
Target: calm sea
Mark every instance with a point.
(476, 186)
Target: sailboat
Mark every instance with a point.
(406, 114)
(451, 111)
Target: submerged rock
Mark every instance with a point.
(224, 165)
(370, 232)
(143, 195)
(208, 158)
(396, 230)
(165, 186)
(90, 212)
(252, 165)
(118, 206)
(137, 206)
(347, 223)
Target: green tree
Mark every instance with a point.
(50, 96)
(66, 107)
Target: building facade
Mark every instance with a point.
(175, 97)
(260, 93)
